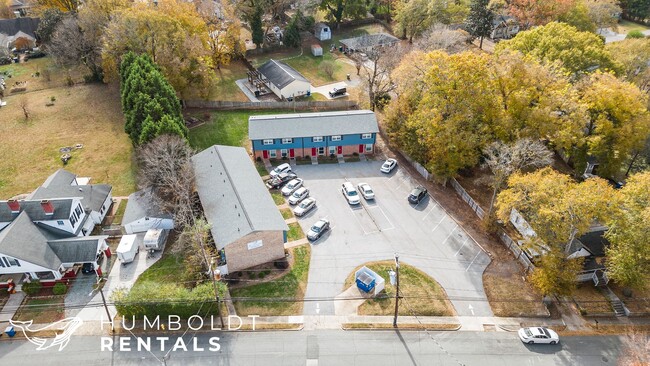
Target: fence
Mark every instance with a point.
(310, 105)
(467, 198)
(422, 170)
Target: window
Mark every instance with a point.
(366, 136)
(287, 141)
(332, 150)
(60, 223)
(368, 147)
(321, 150)
(267, 142)
(13, 262)
(273, 154)
(78, 211)
(283, 153)
(317, 139)
(73, 220)
(336, 138)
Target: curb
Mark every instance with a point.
(405, 328)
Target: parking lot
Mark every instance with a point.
(422, 235)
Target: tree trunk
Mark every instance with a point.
(480, 46)
(629, 167)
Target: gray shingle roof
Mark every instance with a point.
(318, 27)
(234, 199)
(12, 26)
(141, 204)
(279, 73)
(76, 250)
(311, 124)
(23, 240)
(58, 185)
(35, 211)
(369, 40)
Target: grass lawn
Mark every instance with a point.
(117, 220)
(309, 67)
(88, 114)
(41, 310)
(225, 88)
(27, 71)
(625, 26)
(290, 287)
(225, 128)
(168, 269)
(295, 232)
(261, 169)
(638, 303)
(286, 213)
(512, 296)
(423, 295)
(591, 301)
(278, 198)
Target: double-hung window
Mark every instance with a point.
(267, 142)
(336, 138)
(317, 139)
(366, 136)
(287, 141)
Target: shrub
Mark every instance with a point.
(635, 34)
(59, 288)
(53, 99)
(327, 67)
(355, 154)
(258, 159)
(32, 288)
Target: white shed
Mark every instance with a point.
(322, 31)
(316, 50)
(142, 214)
(283, 80)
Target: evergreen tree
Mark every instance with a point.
(292, 34)
(256, 27)
(479, 20)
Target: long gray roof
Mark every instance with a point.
(141, 204)
(234, 199)
(369, 40)
(76, 250)
(279, 73)
(24, 241)
(26, 25)
(59, 185)
(34, 210)
(311, 124)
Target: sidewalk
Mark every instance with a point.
(10, 308)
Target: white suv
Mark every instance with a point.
(350, 193)
(298, 196)
(282, 168)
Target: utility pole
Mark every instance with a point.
(101, 292)
(396, 290)
(216, 292)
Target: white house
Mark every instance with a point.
(283, 80)
(142, 214)
(322, 31)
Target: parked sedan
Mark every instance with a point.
(318, 229)
(538, 335)
(299, 195)
(388, 165)
(417, 194)
(350, 193)
(366, 191)
(280, 180)
(292, 186)
(305, 206)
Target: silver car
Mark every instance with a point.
(305, 206)
(294, 184)
(366, 191)
(298, 196)
(318, 229)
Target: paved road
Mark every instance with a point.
(334, 347)
(424, 236)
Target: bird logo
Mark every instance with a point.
(63, 329)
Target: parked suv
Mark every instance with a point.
(337, 92)
(298, 196)
(291, 186)
(282, 168)
(350, 193)
(417, 194)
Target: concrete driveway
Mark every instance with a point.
(424, 236)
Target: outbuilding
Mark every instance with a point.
(316, 50)
(322, 31)
(283, 80)
(142, 213)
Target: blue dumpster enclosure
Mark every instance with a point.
(365, 282)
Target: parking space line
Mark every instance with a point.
(439, 222)
(461, 247)
(455, 227)
(385, 216)
(434, 206)
(467, 269)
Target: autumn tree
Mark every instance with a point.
(538, 12)
(375, 74)
(604, 13)
(479, 21)
(634, 57)
(413, 17)
(578, 16)
(195, 244)
(636, 10)
(554, 273)
(224, 29)
(559, 42)
(50, 19)
(337, 10)
(5, 10)
(442, 37)
(63, 5)
(628, 257)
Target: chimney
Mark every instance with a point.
(14, 206)
(48, 208)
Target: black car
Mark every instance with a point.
(280, 180)
(417, 194)
(87, 268)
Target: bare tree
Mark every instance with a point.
(166, 168)
(24, 105)
(327, 67)
(376, 70)
(71, 46)
(636, 349)
(507, 159)
(441, 37)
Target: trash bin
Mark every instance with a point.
(10, 331)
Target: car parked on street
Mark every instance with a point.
(318, 229)
(299, 195)
(350, 193)
(292, 186)
(366, 191)
(305, 206)
(417, 194)
(280, 180)
(388, 165)
(282, 168)
(541, 335)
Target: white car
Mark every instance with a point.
(298, 196)
(282, 168)
(350, 193)
(305, 206)
(538, 335)
(366, 191)
(291, 187)
(388, 165)
(318, 229)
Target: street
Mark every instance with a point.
(332, 347)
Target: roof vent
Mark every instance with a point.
(81, 189)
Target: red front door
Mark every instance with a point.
(360, 148)
(291, 153)
(313, 151)
(339, 149)
(265, 153)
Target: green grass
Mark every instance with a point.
(278, 198)
(261, 169)
(309, 67)
(225, 88)
(286, 213)
(290, 286)
(425, 296)
(41, 310)
(352, 159)
(295, 232)
(120, 212)
(625, 26)
(168, 269)
(327, 160)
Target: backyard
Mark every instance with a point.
(32, 145)
(625, 26)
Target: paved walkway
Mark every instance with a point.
(251, 96)
(10, 308)
(296, 243)
(611, 36)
